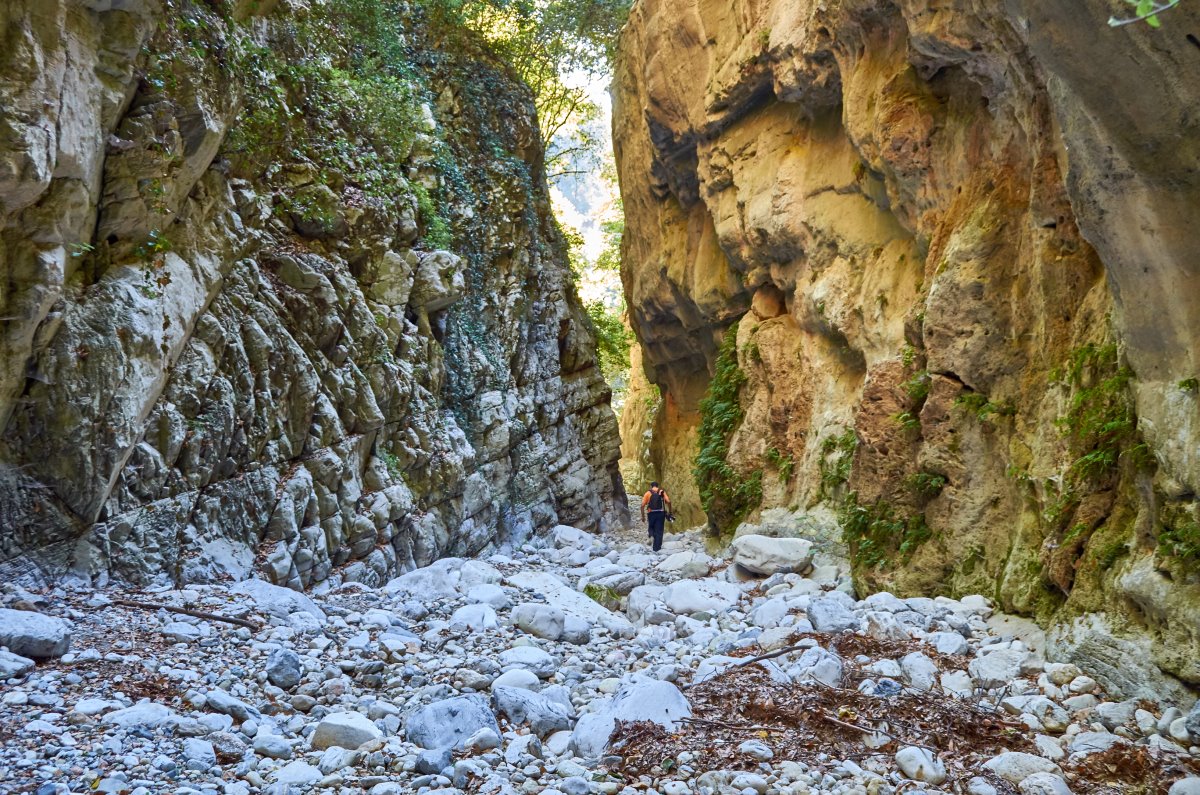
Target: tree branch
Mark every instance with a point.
(1113, 22)
(241, 622)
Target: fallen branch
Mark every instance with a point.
(734, 726)
(241, 622)
(866, 730)
(771, 655)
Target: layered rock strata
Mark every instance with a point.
(268, 311)
(955, 242)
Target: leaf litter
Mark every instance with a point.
(821, 725)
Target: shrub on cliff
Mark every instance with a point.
(726, 496)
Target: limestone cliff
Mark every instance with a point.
(282, 293)
(956, 245)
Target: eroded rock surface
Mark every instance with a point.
(950, 331)
(223, 356)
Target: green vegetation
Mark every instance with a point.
(926, 484)
(547, 43)
(1100, 420)
(1190, 385)
(908, 355)
(602, 594)
(982, 408)
(1108, 555)
(614, 230)
(437, 228)
(837, 456)
(654, 399)
(1182, 542)
(917, 386)
(784, 464)
(1143, 11)
(907, 420)
(613, 340)
(390, 461)
(726, 496)
(876, 532)
(1101, 429)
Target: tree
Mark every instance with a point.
(553, 45)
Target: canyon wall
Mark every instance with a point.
(943, 260)
(282, 294)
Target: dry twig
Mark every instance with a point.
(241, 622)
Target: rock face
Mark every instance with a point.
(265, 320)
(914, 233)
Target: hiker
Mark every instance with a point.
(656, 508)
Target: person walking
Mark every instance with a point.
(656, 507)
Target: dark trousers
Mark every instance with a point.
(655, 520)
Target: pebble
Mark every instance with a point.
(438, 683)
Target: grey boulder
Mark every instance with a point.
(345, 730)
(451, 722)
(641, 699)
(12, 665)
(542, 621)
(283, 668)
(33, 634)
(766, 556)
(543, 715)
(829, 614)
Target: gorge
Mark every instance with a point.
(292, 341)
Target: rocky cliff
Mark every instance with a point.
(933, 269)
(282, 294)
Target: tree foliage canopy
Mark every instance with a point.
(555, 46)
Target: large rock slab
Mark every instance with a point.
(700, 596)
(34, 634)
(766, 556)
(641, 699)
(572, 602)
(276, 600)
(451, 722)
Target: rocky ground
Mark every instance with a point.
(572, 665)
